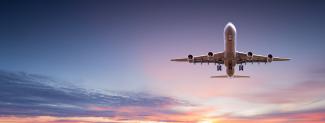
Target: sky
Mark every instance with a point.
(108, 61)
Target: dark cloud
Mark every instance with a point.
(25, 94)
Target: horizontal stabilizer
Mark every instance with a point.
(239, 76)
(225, 76)
(222, 76)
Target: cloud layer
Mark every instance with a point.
(24, 94)
(33, 98)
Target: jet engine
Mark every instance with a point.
(210, 55)
(250, 55)
(269, 58)
(190, 58)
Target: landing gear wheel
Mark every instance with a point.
(241, 67)
(219, 68)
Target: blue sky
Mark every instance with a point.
(126, 46)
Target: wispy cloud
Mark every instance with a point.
(317, 72)
(305, 116)
(33, 98)
(299, 92)
(24, 94)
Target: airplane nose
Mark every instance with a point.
(230, 28)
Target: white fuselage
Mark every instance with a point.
(230, 49)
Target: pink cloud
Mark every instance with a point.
(307, 116)
(312, 116)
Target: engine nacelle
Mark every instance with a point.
(250, 55)
(210, 55)
(269, 58)
(190, 58)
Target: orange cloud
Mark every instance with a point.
(170, 113)
(301, 117)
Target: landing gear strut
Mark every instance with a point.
(241, 67)
(219, 68)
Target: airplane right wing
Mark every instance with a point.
(210, 58)
(244, 57)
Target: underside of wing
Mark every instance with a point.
(210, 58)
(250, 57)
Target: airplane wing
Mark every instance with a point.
(243, 58)
(215, 58)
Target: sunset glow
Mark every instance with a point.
(109, 61)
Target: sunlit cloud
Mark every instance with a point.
(31, 95)
(306, 116)
(33, 98)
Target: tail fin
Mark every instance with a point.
(225, 76)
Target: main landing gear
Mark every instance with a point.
(241, 67)
(219, 68)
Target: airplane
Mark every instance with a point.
(230, 57)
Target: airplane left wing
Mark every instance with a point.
(210, 58)
(244, 57)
